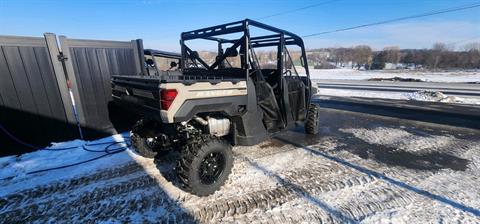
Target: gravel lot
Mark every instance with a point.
(360, 168)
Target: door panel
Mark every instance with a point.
(296, 96)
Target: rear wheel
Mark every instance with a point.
(313, 121)
(143, 140)
(144, 146)
(205, 164)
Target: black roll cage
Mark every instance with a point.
(281, 38)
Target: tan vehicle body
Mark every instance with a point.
(200, 90)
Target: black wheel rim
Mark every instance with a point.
(151, 143)
(211, 168)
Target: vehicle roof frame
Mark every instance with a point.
(279, 38)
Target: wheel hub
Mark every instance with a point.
(211, 168)
(151, 142)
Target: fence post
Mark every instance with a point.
(136, 56)
(70, 73)
(54, 52)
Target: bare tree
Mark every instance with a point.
(362, 56)
(472, 46)
(392, 54)
(439, 46)
(434, 58)
(473, 54)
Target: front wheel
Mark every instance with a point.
(313, 119)
(205, 165)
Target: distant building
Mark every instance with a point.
(319, 54)
(393, 66)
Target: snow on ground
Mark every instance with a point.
(457, 185)
(273, 181)
(417, 96)
(438, 97)
(432, 96)
(353, 74)
(53, 156)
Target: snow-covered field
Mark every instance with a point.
(417, 96)
(323, 75)
(353, 74)
(373, 170)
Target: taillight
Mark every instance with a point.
(166, 98)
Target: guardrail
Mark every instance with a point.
(454, 89)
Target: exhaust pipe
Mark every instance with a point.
(216, 126)
(200, 120)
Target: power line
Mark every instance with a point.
(298, 9)
(431, 13)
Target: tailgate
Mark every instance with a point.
(142, 92)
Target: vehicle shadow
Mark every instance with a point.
(392, 156)
(332, 122)
(39, 130)
(166, 165)
(127, 193)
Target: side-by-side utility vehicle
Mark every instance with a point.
(212, 103)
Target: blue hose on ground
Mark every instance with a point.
(108, 150)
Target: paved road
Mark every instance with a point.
(359, 168)
(454, 89)
(434, 112)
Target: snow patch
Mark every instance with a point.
(353, 74)
(418, 96)
(433, 96)
(361, 93)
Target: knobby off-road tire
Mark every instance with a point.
(312, 123)
(142, 147)
(205, 164)
(140, 140)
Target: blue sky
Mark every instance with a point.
(160, 22)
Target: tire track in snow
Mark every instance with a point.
(34, 195)
(377, 200)
(334, 177)
(64, 186)
(301, 182)
(86, 203)
(289, 215)
(146, 194)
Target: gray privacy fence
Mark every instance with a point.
(89, 67)
(35, 101)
